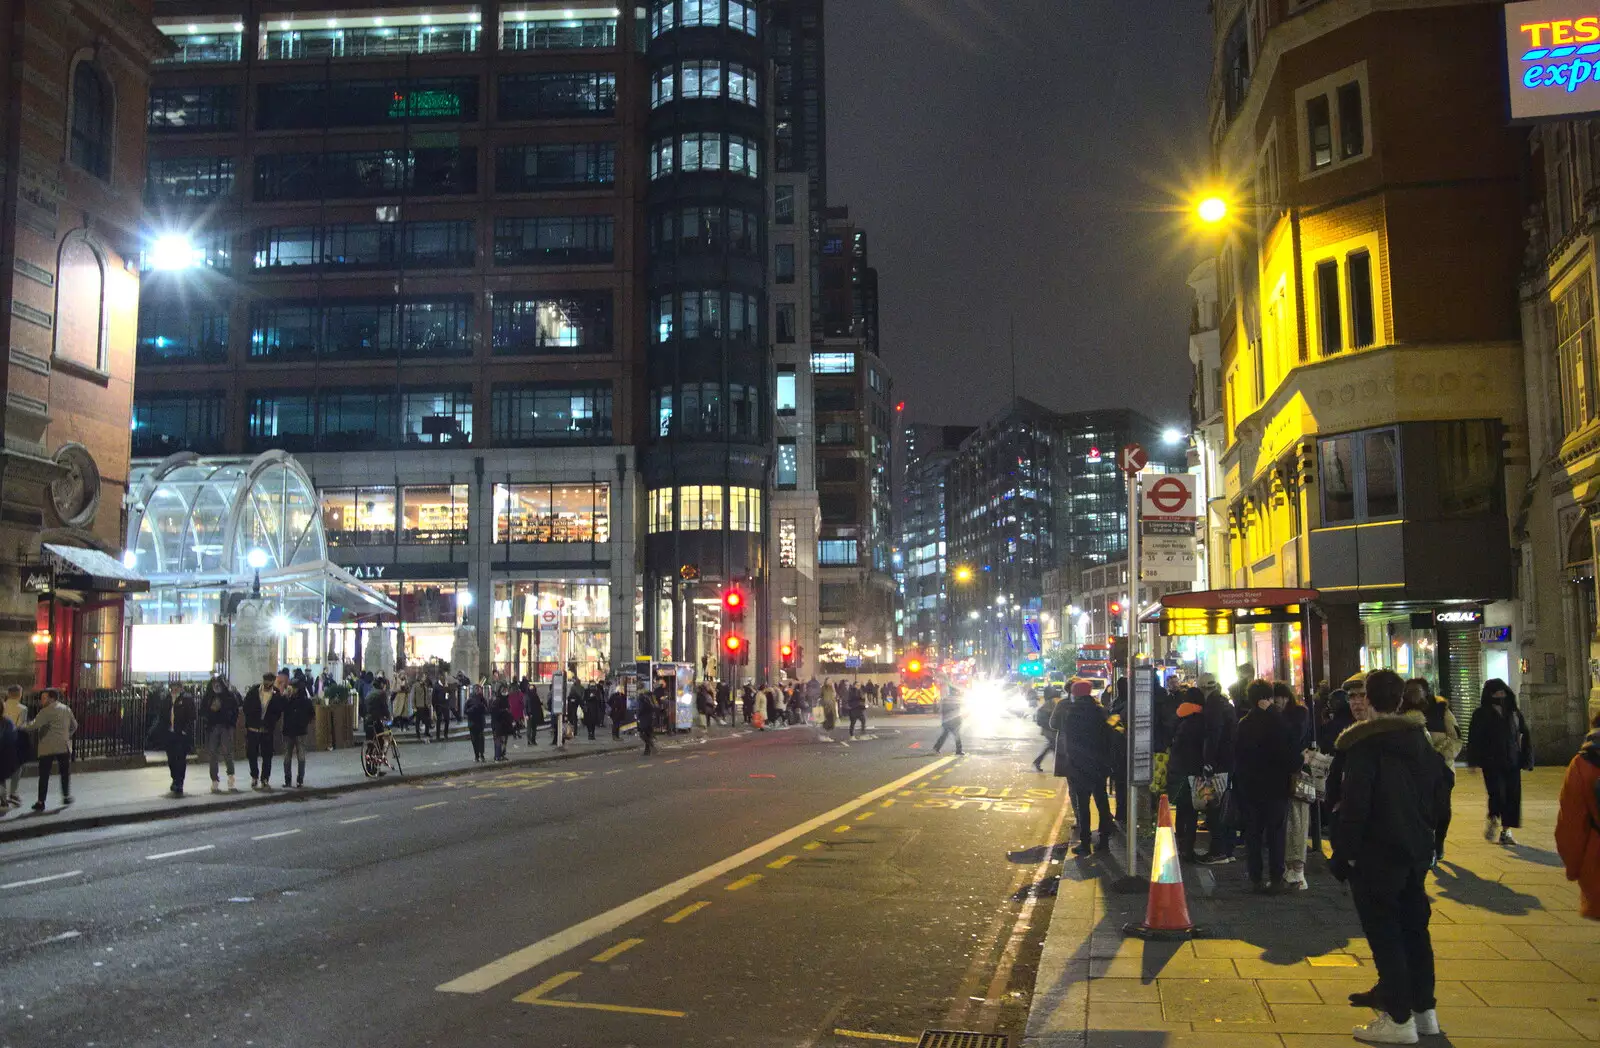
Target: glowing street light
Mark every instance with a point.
(171, 252)
(281, 624)
(1172, 436)
(1212, 210)
(257, 559)
(963, 574)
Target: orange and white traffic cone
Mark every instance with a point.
(1167, 913)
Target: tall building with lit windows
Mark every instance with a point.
(1375, 441)
(409, 245)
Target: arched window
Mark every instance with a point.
(91, 121)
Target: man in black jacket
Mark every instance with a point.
(1382, 843)
(1266, 759)
(262, 708)
(298, 713)
(1082, 731)
(1221, 723)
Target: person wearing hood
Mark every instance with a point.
(219, 717)
(1222, 725)
(1498, 745)
(1382, 844)
(1187, 760)
(1578, 823)
(594, 708)
(1267, 761)
(1082, 728)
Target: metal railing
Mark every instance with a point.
(112, 722)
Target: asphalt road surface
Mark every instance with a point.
(771, 889)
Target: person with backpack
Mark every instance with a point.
(1041, 718)
(1498, 745)
(298, 714)
(1578, 823)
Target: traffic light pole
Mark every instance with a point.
(1130, 796)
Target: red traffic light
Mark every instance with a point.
(1116, 609)
(786, 650)
(733, 644)
(733, 599)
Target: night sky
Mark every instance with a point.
(1023, 158)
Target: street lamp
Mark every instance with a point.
(257, 559)
(1212, 210)
(963, 574)
(1172, 436)
(172, 252)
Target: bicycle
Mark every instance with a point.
(380, 753)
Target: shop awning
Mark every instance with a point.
(90, 570)
(1238, 598)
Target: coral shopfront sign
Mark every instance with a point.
(1553, 58)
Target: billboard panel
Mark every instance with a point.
(1553, 58)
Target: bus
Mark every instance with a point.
(1094, 661)
(919, 691)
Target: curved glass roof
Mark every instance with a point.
(192, 516)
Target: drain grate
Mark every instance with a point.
(962, 1039)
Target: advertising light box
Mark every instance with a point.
(1553, 58)
(160, 650)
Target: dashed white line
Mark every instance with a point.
(180, 851)
(270, 836)
(42, 880)
(362, 818)
(435, 804)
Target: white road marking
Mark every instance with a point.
(41, 880)
(270, 836)
(363, 818)
(180, 851)
(529, 957)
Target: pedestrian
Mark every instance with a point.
(618, 709)
(219, 718)
(1041, 717)
(15, 712)
(1578, 823)
(477, 711)
(517, 701)
(1081, 728)
(1222, 723)
(441, 709)
(594, 708)
(421, 708)
(1445, 736)
(830, 706)
(645, 721)
(774, 705)
(1297, 720)
(1186, 761)
(375, 712)
(950, 718)
(1382, 844)
(747, 701)
(262, 708)
(1498, 745)
(173, 732)
(724, 700)
(500, 713)
(51, 731)
(298, 715)
(1266, 762)
(857, 710)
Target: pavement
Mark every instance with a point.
(774, 889)
(1517, 967)
(115, 797)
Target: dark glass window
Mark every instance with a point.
(354, 419)
(785, 315)
(179, 332)
(531, 96)
(1235, 66)
(566, 414)
(545, 241)
(575, 322)
(1359, 476)
(178, 178)
(1469, 461)
(562, 34)
(705, 230)
(287, 330)
(1381, 467)
(441, 34)
(1330, 329)
(556, 166)
(282, 420)
(440, 327)
(429, 418)
(370, 173)
(835, 398)
(204, 107)
(438, 244)
(361, 103)
(783, 263)
(1358, 277)
(366, 245)
(201, 46)
(1319, 131)
(91, 121)
(1352, 124)
(783, 205)
(165, 423)
(788, 465)
(362, 328)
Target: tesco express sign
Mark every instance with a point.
(1553, 58)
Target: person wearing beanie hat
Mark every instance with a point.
(1082, 728)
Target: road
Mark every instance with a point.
(771, 889)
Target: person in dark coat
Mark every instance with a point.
(594, 708)
(1382, 844)
(1266, 759)
(1498, 745)
(440, 699)
(855, 707)
(1186, 760)
(298, 715)
(949, 718)
(1338, 718)
(477, 713)
(1221, 722)
(174, 731)
(1082, 728)
(645, 718)
(618, 708)
(262, 708)
(500, 718)
(1042, 717)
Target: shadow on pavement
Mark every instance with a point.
(1537, 856)
(1459, 884)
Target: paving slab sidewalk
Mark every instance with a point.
(109, 798)
(1517, 967)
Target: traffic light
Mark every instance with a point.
(736, 648)
(786, 655)
(1116, 608)
(733, 602)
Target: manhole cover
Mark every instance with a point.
(962, 1039)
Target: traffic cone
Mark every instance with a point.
(1166, 915)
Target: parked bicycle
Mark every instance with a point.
(380, 754)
